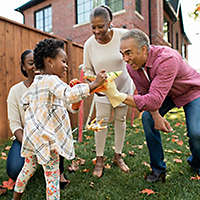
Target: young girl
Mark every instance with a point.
(47, 131)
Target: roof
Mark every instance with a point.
(172, 8)
(29, 4)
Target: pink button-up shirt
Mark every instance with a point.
(169, 75)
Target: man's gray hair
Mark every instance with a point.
(139, 36)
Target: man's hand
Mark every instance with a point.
(160, 123)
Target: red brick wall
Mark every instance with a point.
(64, 19)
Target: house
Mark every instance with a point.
(160, 19)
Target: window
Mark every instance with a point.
(84, 8)
(138, 6)
(166, 32)
(43, 19)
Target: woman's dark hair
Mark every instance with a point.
(103, 11)
(23, 57)
(46, 48)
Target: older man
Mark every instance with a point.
(163, 81)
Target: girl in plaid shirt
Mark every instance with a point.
(47, 131)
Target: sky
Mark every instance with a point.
(192, 27)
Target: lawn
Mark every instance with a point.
(115, 185)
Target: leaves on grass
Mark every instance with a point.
(146, 164)
(107, 166)
(92, 184)
(75, 164)
(7, 148)
(3, 156)
(195, 178)
(177, 160)
(131, 153)
(147, 191)
(86, 170)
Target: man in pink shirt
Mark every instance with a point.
(163, 81)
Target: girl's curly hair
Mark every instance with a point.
(46, 48)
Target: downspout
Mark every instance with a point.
(150, 37)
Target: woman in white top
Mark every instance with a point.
(102, 51)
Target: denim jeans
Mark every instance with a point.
(15, 162)
(153, 137)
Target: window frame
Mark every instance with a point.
(106, 2)
(43, 19)
(138, 3)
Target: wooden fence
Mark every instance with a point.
(14, 39)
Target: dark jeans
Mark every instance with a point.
(153, 137)
(15, 162)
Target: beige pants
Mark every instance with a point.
(103, 111)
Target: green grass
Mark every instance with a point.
(115, 185)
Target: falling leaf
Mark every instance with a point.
(177, 160)
(7, 148)
(86, 170)
(147, 191)
(195, 178)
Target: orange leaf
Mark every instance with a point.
(147, 191)
(195, 178)
(3, 154)
(7, 148)
(178, 124)
(94, 161)
(107, 166)
(3, 157)
(86, 170)
(179, 142)
(131, 153)
(146, 164)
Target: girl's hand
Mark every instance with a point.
(99, 81)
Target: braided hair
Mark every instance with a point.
(46, 48)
